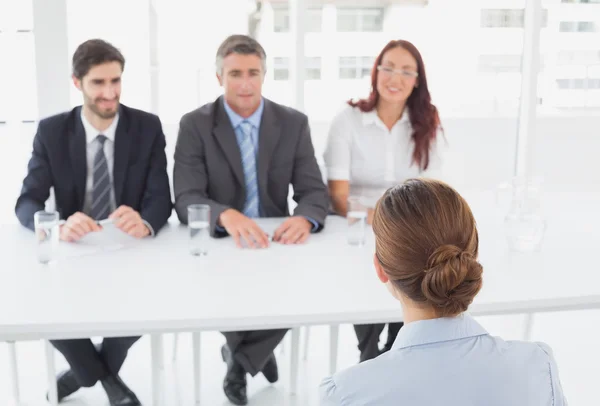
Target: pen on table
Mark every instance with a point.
(100, 222)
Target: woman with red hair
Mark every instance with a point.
(381, 141)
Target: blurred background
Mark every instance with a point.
(472, 51)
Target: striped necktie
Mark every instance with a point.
(101, 183)
(249, 164)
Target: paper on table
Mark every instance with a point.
(269, 224)
(109, 239)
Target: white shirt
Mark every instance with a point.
(361, 150)
(92, 147)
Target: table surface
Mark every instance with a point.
(155, 285)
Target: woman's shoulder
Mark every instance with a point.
(352, 378)
(539, 350)
(536, 352)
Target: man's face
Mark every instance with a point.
(101, 89)
(242, 78)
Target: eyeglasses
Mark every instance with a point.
(391, 72)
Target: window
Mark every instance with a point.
(578, 57)
(281, 68)
(503, 18)
(507, 18)
(16, 15)
(578, 83)
(499, 63)
(581, 1)
(281, 19)
(360, 19)
(313, 68)
(503, 63)
(577, 26)
(18, 98)
(355, 67)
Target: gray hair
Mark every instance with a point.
(240, 44)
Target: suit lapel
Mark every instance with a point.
(225, 135)
(121, 162)
(268, 137)
(78, 154)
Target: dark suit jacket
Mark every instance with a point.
(208, 165)
(140, 178)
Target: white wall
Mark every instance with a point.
(125, 24)
(188, 38)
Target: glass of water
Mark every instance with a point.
(357, 220)
(199, 225)
(46, 224)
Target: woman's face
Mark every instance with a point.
(397, 76)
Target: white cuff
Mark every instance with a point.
(149, 227)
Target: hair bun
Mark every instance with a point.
(443, 254)
(452, 279)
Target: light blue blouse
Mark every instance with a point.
(451, 362)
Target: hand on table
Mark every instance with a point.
(242, 228)
(294, 230)
(129, 221)
(77, 226)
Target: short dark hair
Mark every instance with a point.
(240, 44)
(94, 52)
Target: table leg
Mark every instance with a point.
(196, 360)
(175, 346)
(156, 344)
(334, 332)
(51, 369)
(14, 371)
(528, 326)
(306, 341)
(294, 364)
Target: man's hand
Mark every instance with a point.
(295, 230)
(129, 221)
(77, 226)
(239, 226)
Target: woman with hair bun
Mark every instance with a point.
(426, 254)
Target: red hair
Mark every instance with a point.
(424, 117)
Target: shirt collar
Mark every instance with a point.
(91, 132)
(438, 330)
(371, 117)
(236, 119)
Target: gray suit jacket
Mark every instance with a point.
(208, 165)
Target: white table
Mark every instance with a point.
(156, 287)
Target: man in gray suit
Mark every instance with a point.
(239, 155)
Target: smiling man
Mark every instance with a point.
(239, 155)
(104, 161)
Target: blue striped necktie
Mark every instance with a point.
(249, 165)
(101, 185)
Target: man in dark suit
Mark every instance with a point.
(239, 155)
(105, 161)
